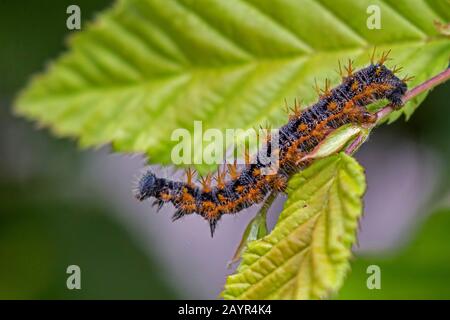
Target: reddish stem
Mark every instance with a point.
(355, 144)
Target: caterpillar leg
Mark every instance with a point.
(360, 115)
(396, 96)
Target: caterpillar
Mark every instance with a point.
(305, 129)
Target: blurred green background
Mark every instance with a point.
(50, 218)
(419, 271)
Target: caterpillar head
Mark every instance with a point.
(394, 87)
(147, 186)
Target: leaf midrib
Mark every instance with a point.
(118, 89)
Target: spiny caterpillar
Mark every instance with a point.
(304, 131)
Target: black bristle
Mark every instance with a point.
(177, 215)
(212, 226)
(158, 203)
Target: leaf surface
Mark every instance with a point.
(147, 67)
(306, 254)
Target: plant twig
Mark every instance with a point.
(268, 203)
(355, 144)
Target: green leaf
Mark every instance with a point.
(147, 67)
(335, 141)
(306, 255)
(332, 144)
(417, 270)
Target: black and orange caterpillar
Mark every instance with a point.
(303, 132)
